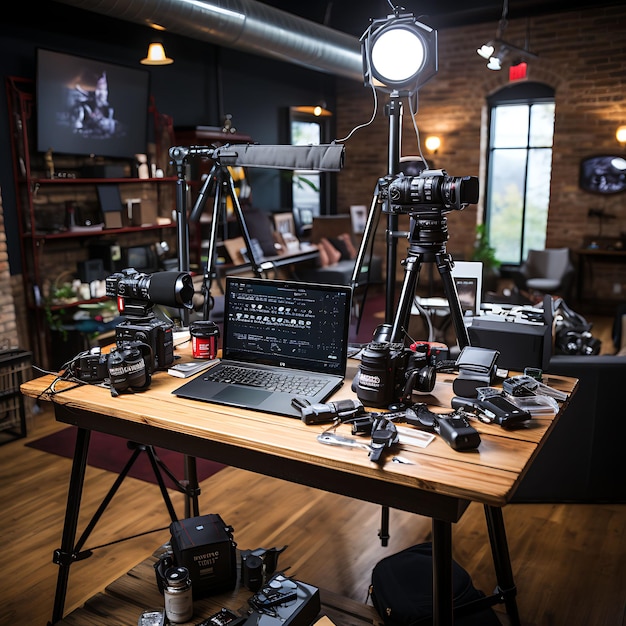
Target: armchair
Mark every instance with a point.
(549, 271)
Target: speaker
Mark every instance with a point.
(520, 345)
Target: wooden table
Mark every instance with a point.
(439, 484)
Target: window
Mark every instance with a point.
(519, 169)
(305, 185)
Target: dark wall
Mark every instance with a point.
(204, 83)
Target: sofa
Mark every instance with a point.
(340, 273)
(581, 460)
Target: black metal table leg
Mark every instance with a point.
(64, 556)
(502, 561)
(442, 573)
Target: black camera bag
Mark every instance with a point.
(402, 591)
(205, 546)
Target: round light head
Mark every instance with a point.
(399, 54)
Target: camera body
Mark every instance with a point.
(390, 371)
(91, 367)
(433, 189)
(127, 367)
(155, 333)
(136, 295)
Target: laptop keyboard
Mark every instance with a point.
(299, 384)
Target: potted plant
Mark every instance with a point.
(486, 254)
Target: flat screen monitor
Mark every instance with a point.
(89, 107)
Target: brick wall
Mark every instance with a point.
(582, 55)
(8, 322)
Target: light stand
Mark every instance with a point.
(400, 55)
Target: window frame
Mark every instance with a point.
(524, 94)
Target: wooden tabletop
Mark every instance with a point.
(287, 448)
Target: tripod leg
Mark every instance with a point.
(257, 265)
(383, 533)
(189, 486)
(502, 561)
(64, 556)
(411, 274)
(107, 499)
(166, 496)
(444, 265)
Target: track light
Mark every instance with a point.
(399, 54)
(497, 49)
(486, 50)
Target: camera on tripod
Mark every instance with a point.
(433, 188)
(136, 295)
(390, 371)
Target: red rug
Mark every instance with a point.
(111, 453)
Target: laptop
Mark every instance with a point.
(277, 328)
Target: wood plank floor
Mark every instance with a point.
(569, 561)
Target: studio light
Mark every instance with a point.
(399, 54)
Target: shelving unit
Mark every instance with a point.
(15, 368)
(47, 204)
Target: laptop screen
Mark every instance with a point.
(287, 323)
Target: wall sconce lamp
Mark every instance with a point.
(433, 143)
(156, 55)
(317, 110)
(620, 134)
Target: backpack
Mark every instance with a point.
(402, 590)
(572, 333)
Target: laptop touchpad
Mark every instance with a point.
(242, 396)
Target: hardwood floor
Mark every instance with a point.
(569, 561)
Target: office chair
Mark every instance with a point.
(549, 271)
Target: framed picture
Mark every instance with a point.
(284, 223)
(358, 214)
(604, 174)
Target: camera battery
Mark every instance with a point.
(205, 546)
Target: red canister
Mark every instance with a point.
(204, 336)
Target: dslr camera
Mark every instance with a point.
(136, 295)
(127, 367)
(432, 188)
(390, 371)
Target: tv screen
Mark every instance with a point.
(89, 107)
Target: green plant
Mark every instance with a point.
(483, 252)
(54, 317)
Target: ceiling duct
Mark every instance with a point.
(244, 25)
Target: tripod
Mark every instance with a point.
(189, 488)
(219, 184)
(434, 251)
(427, 236)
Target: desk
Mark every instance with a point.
(440, 484)
(268, 263)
